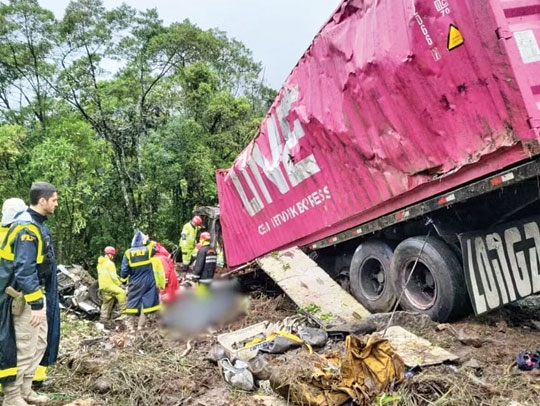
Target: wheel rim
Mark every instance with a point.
(372, 279)
(421, 290)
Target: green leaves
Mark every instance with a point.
(127, 116)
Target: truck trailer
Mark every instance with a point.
(402, 155)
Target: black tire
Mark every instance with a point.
(437, 286)
(370, 276)
(95, 294)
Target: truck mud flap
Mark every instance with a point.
(312, 289)
(502, 265)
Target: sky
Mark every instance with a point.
(276, 31)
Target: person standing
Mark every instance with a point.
(109, 285)
(171, 279)
(10, 209)
(30, 331)
(137, 271)
(206, 262)
(188, 238)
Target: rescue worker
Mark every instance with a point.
(205, 264)
(11, 208)
(142, 297)
(188, 238)
(171, 279)
(109, 285)
(29, 319)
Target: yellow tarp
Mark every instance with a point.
(369, 367)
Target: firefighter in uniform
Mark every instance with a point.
(137, 270)
(188, 239)
(29, 309)
(205, 264)
(109, 285)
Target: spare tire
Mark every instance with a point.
(95, 294)
(370, 276)
(437, 285)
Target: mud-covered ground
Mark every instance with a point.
(151, 368)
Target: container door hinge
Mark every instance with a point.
(503, 33)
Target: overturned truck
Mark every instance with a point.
(406, 137)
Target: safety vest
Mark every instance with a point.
(6, 251)
(139, 256)
(143, 256)
(3, 233)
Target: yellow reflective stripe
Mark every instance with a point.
(135, 264)
(124, 279)
(38, 294)
(8, 372)
(152, 309)
(6, 253)
(131, 311)
(41, 374)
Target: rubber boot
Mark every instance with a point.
(12, 395)
(31, 396)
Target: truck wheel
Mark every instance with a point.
(369, 276)
(437, 286)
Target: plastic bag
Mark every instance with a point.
(313, 336)
(237, 375)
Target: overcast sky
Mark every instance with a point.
(277, 31)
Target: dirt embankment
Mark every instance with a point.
(152, 368)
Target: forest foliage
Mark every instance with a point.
(127, 116)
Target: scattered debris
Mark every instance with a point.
(102, 385)
(416, 350)
(237, 375)
(336, 377)
(473, 364)
(502, 326)
(464, 337)
(310, 287)
(150, 367)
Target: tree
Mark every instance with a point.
(27, 37)
(127, 116)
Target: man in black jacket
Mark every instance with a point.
(205, 264)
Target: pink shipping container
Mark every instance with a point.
(395, 101)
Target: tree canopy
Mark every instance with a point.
(126, 116)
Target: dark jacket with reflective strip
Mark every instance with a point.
(27, 262)
(137, 270)
(205, 264)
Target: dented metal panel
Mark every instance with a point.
(393, 102)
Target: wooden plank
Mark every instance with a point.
(416, 350)
(312, 289)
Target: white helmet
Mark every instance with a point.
(10, 209)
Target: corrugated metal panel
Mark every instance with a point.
(389, 97)
(519, 29)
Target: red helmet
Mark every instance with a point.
(205, 236)
(196, 220)
(110, 250)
